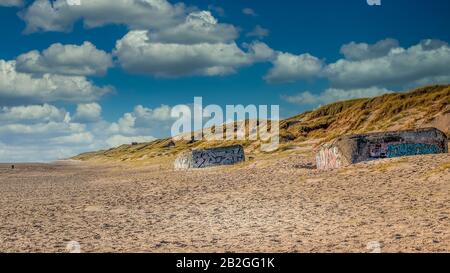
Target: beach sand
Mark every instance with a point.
(269, 205)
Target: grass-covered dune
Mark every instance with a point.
(424, 107)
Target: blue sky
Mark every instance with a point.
(310, 53)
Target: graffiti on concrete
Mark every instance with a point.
(407, 149)
(184, 161)
(378, 150)
(328, 158)
(211, 157)
(220, 156)
(390, 150)
(353, 149)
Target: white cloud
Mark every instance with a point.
(31, 113)
(289, 68)
(11, 3)
(249, 11)
(141, 125)
(198, 46)
(125, 125)
(143, 120)
(46, 87)
(45, 132)
(363, 51)
(199, 27)
(38, 129)
(89, 112)
(332, 95)
(138, 54)
(165, 40)
(78, 138)
(10, 153)
(259, 32)
(136, 14)
(383, 64)
(145, 115)
(424, 62)
(260, 52)
(71, 60)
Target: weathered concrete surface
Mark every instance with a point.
(210, 157)
(358, 148)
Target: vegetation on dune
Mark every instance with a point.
(411, 110)
(398, 111)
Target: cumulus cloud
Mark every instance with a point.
(11, 3)
(249, 12)
(42, 15)
(259, 32)
(37, 132)
(424, 62)
(199, 27)
(332, 95)
(166, 22)
(77, 138)
(260, 52)
(289, 68)
(197, 46)
(46, 87)
(165, 40)
(383, 64)
(368, 70)
(146, 115)
(143, 120)
(363, 51)
(141, 125)
(136, 53)
(46, 132)
(125, 125)
(32, 113)
(36, 153)
(89, 112)
(71, 60)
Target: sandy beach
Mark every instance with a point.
(267, 205)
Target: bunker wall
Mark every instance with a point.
(359, 148)
(211, 157)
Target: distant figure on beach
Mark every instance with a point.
(12, 167)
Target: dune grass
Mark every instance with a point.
(396, 111)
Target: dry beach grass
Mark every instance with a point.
(269, 204)
(421, 108)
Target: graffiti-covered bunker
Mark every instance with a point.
(210, 157)
(348, 150)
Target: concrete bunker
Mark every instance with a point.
(353, 149)
(197, 159)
